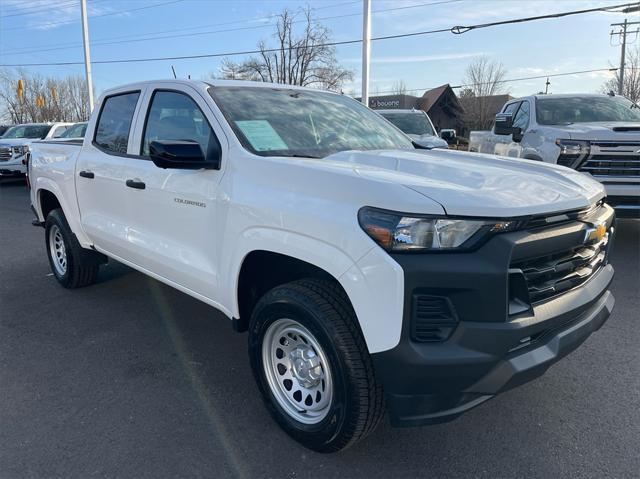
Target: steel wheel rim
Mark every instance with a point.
(297, 371)
(57, 250)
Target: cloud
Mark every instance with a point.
(482, 11)
(38, 14)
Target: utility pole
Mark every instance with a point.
(623, 50)
(87, 55)
(366, 52)
(622, 55)
(546, 86)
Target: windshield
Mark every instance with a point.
(75, 131)
(563, 111)
(411, 123)
(27, 131)
(288, 122)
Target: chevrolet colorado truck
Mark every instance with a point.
(369, 275)
(15, 142)
(598, 135)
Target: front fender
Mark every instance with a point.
(373, 283)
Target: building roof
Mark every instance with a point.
(444, 95)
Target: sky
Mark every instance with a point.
(46, 31)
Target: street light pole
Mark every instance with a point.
(366, 53)
(87, 55)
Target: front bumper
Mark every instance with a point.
(13, 167)
(491, 349)
(624, 197)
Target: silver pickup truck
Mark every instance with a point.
(596, 134)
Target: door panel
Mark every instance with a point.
(173, 218)
(172, 224)
(101, 197)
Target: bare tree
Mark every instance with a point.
(42, 98)
(298, 59)
(631, 80)
(483, 79)
(399, 88)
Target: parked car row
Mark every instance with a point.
(15, 142)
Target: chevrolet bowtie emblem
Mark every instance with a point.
(595, 234)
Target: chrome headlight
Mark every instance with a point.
(20, 150)
(573, 147)
(397, 232)
(572, 152)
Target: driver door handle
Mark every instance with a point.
(137, 184)
(86, 174)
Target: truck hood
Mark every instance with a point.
(473, 184)
(429, 141)
(4, 142)
(613, 130)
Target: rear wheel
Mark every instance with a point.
(312, 365)
(72, 265)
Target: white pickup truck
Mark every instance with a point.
(370, 276)
(598, 135)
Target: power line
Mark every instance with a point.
(536, 77)
(33, 11)
(182, 29)
(465, 29)
(183, 35)
(455, 30)
(64, 22)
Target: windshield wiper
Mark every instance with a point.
(296, 155)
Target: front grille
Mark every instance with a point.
(5, 154)
(550, 275)
(612, 158)
(544, 221)
(612, 165)
(433, 318)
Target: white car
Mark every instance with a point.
(367, 274)
(75, 131)
(417, 125)
(14, 144)
(598, 135)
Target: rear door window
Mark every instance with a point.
(114, 123)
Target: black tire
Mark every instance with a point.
(82, 265)
(324, 310)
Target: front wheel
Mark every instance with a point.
(312, 365)
(72, 265)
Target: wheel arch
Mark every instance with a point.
(373, 282)
(262, 270)
(48, 196)
(47, 202)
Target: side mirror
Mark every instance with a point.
(448, 135)
(504, 126)
(183, 155)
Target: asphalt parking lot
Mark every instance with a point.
(130, 378)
